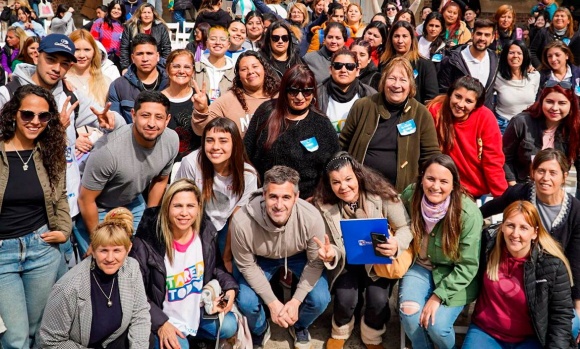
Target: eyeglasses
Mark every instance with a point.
(563, 84)
(216, 39)
(391, 9)
(306, 92)
(276, 38)
(339, 65)
(27, 116)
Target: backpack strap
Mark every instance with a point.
(12, 86)
(73, 99)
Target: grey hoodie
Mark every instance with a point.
(254, 235)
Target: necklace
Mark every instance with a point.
(109, 301)
(24, 164)
(154, 86)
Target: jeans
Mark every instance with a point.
(28, 270)
(252, 307)
(501, 122)
(82, 235)
(416, 287)
(208, 330)
(222, 236)
(477, 338)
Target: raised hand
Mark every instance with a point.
(199, 98)
(326, 253)
(105, 117)
(65, 112)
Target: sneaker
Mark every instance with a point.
(301, 338)
(259, 342)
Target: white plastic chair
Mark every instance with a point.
(47, 23)
(86, 21)
(181, 40)
(173, 30)
(188, 25)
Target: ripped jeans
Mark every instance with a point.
(414, 290)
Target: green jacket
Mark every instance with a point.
(456, 283)
(363, 120)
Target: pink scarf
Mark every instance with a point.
(433, 213)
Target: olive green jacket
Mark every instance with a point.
(456, 283)
(363, 120)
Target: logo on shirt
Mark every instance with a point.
(181, 285)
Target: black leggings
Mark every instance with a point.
(348, 290)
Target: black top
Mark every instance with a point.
(106, 320)
(181, 122)
(23, 206)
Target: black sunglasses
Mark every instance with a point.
(28, 116)
(306, 92)
(391, 8)
(339, 65)
(563, 84)
(276, 38)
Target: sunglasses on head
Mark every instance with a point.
(563, 84)
(276, 38)
(306, 92)
(339, 65)
(28, 116)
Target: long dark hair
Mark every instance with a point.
(452, 220)
(61, 10)
(23, 55)
(271, 80)
(383, 30)
(439, 40)
(109, 20)
(52, 141)
(266, 50)
(503, 66)
(402, 12)
(390, 52)
(369, 181)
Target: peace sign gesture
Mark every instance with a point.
(65, 112)
(199, 98)
(325, 252)
(105, 117)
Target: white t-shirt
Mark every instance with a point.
(337, 112)
(478, 69)
(424, 48)
(184, 284)
(513, 96)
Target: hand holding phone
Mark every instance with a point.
(377, 239)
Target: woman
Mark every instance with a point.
(200, 33)
(405, 15)
(468, 133)
(254, 31)
(279, 49)
(62, 22)
(559, 211)
(558, 66)
(376, 35)
(522, 255)
(402, 42)
(336, 14)
(431, 44)
(222, 170)
(541, 21)
(342, 89)
(505, 18)
(354, 20)
(550, 6)
(289, 131)
(108, 31)
(368, 72)
(335, 37)
(370, 133)
(514, 79)
(115, 315)
(381, 17)
(35, 211)
(318, 7)
(552, 122)
(145, 20)
(29, 54)
(211, 12)
(25, 22)
(14, 42)
(176, 247)
(456, 31)
(86, 74)
(446, 226)
(561, 29)
(349, 190)
(9, 13)
(254, 83)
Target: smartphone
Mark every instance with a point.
(378, 238)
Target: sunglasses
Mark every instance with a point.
(339, 65)
(391, 8)
(563, 84)
(306, 92)
(276, 38)
(28, 116)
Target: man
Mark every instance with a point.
(127, 161)
(476, 60)
(276, 230)
(145, 73)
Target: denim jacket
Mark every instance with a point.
(55, 201)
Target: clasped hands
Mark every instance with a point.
(284, 315)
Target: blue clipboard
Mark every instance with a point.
(356, 234)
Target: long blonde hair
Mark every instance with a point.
(99, 89)
(544, 240)
(20, 34)
(134, 23)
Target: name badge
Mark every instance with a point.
(437, 58)
(577, 90)
(407, 128)
(415, 73)
(566, 41)
(311, 144)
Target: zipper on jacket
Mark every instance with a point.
(367, 147)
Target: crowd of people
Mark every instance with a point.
(191, 183)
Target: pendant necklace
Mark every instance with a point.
(109, 301)
(24, 164)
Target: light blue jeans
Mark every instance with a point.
(28, 270)
(476, 338)
(208, 330)
(417, 286)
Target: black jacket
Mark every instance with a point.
(8, 15)
(453, 67)
(149, 251)
(158, 31)
(425, 79)
(370, 76)
(547, 289)
(219, 17)
(323, 96)
(546, 36)
(565, 229)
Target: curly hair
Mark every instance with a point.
(51, 142)
(271, 80)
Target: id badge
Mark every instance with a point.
(566, 41)
(415, 73)
(407, 128)
(577, 90)
(437, 58)
(311, 144)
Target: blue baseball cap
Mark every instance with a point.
(58, 43)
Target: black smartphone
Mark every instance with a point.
(378, 238)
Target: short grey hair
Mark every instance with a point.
(280, 175)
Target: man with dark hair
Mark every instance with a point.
(126, 162)
(145, 73)
(475, 59)
(276, 229)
